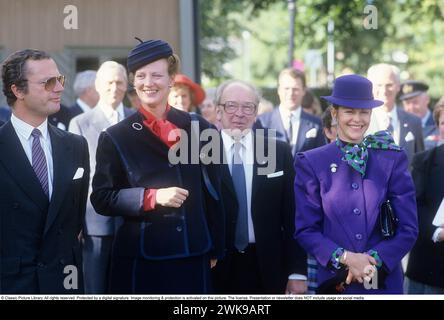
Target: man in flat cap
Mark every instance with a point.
(415, 100)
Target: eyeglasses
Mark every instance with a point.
(231, 107)
(51, 82)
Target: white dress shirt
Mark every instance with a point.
(295, 121)
(23, 131)
(382, 120)
(113, 115)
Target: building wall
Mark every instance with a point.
(106, 30)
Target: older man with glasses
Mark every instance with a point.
(262, 256)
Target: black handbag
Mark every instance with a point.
(387, 220)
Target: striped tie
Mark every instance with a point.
(39, 161)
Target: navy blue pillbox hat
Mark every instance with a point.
(147, 52)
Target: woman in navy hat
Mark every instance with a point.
(339, 190)
(173, 219)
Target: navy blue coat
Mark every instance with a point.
(130, 159)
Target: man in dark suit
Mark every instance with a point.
(262, 255)
(298, 128)
(99, 230)
(405, 128)
(44, 175)
(85, 90)
(426, 261)
(416, 101)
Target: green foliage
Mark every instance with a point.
(413, 27)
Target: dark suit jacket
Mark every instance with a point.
(410, 136)
(39, 237)
(61, 118)
(426, 261)
(130, 158)
(273, 214)
(308, 124)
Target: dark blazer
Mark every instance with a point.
(40, 237)
(426, 261)
(131, 158)
(273, 212)
(309, 125)
(410, 136)
(61, 118)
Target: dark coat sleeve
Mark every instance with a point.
(111, 195)
(214, 207)
(421, 171)
(85, 182)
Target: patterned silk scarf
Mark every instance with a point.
(356, 155)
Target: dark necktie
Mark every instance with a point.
(290, 130)
(390, 125)
(39, 161)
(238, 176)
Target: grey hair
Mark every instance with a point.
(221, 88)
(111, 65)
(83, 81)
(374, 69)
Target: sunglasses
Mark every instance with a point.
(50, 83)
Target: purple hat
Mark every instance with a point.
(147, 52)
(353, 91)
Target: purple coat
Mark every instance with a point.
(340, 209)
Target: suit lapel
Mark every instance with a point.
(99, 120)
(278, 125)
(16, 162)
(64, 169)
(403, 127)
(304, 126)
(258, 180)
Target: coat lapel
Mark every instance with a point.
(64, 169)
(258, 180)
(16, 162)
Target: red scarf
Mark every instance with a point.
(160, 127)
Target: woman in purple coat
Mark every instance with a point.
(339, 190)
